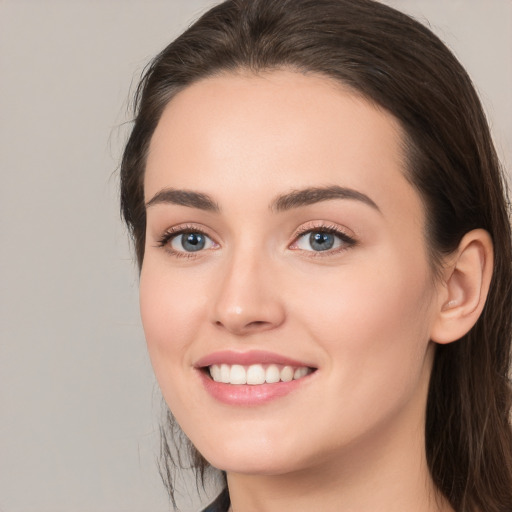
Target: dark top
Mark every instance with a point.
(221, 503)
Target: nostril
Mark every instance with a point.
(256, 323)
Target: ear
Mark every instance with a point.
(466, 279)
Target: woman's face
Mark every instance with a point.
(284, 242)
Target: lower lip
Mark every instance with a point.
(247, 394)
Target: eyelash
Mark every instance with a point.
(348, 241)
(172, 233)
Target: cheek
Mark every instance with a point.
(170, 309)
(372, 321)
(372, 327)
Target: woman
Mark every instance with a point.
(324, 244)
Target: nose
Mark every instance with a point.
(248, 298)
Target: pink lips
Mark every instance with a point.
(247, 358)
(246, 394)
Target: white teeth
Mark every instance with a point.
(224, 373)
(215, 373)
(300, 372)
(238, 375)
(256, 373)
(287, 374)
(272, 374)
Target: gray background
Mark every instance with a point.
(79, 408)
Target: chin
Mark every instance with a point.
(255, 456)
(252, 464)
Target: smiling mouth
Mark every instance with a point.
(256, 374)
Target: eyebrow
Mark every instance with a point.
(184, 198)
(312, 195)
(285, 202)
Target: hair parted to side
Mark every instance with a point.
(400, 65)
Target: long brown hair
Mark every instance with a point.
(400, 65)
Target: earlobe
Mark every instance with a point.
(466, 278)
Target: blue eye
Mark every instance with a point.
(191, 241)
(320, 240)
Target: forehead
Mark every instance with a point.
(274, 132)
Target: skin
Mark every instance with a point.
(351, 437)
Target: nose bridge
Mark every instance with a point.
(246, 299)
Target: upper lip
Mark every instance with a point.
(247, 358)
